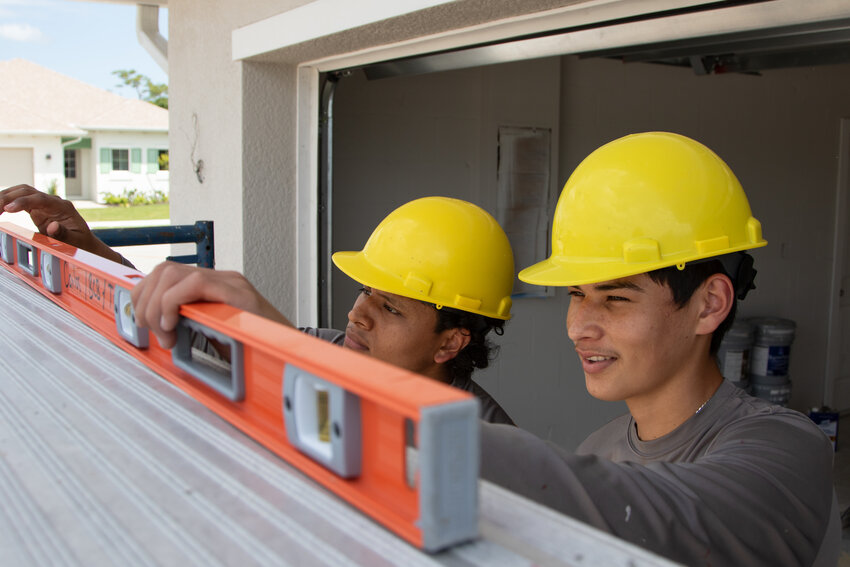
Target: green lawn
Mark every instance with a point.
(138, 212)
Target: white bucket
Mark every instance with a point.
(771, 350)
(733, 356)
(778, 394)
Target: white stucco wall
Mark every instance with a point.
(232, 142)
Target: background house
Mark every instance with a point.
(60, 134)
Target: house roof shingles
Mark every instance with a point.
(36, 100)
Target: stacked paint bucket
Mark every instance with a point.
(768, 371)
(733, 356)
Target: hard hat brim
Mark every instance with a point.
(358, 267)
(566, 272)
(355, 266)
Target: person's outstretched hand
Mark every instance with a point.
(55, 217)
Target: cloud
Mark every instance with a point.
(20, 32)
(28, 3)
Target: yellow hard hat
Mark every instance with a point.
(643, 202)
(440, 250)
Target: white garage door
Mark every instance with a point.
(15, 166)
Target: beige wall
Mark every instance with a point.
(239, 119)
(398, 139)
(205, 122)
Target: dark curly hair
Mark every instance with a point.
(480, 351)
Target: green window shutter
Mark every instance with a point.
(136, 160)
(153, 161)
(105, 160)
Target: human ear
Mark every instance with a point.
(717, 294)
(454, 341)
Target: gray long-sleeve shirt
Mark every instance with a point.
(742, 482)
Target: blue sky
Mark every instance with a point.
(84, 40)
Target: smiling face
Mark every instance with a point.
(400, 330)
(633, 341)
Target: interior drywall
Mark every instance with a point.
(402, 138)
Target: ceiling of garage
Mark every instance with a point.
(823, 43)
(820, 43)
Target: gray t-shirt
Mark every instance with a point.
(742, 482)
(491, 411)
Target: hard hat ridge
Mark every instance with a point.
(644, 202)
(441, 250)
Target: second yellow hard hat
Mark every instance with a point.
(441, 250)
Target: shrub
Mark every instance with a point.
(133, 197)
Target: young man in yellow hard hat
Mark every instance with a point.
(648, 237)
(437, 276)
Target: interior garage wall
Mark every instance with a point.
(398, 139)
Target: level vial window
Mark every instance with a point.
(323, 424)
(322, 420)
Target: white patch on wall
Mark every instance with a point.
(523, 196)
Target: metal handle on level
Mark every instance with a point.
(27, 257)
(212, 357)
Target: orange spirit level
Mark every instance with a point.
(398, 446)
